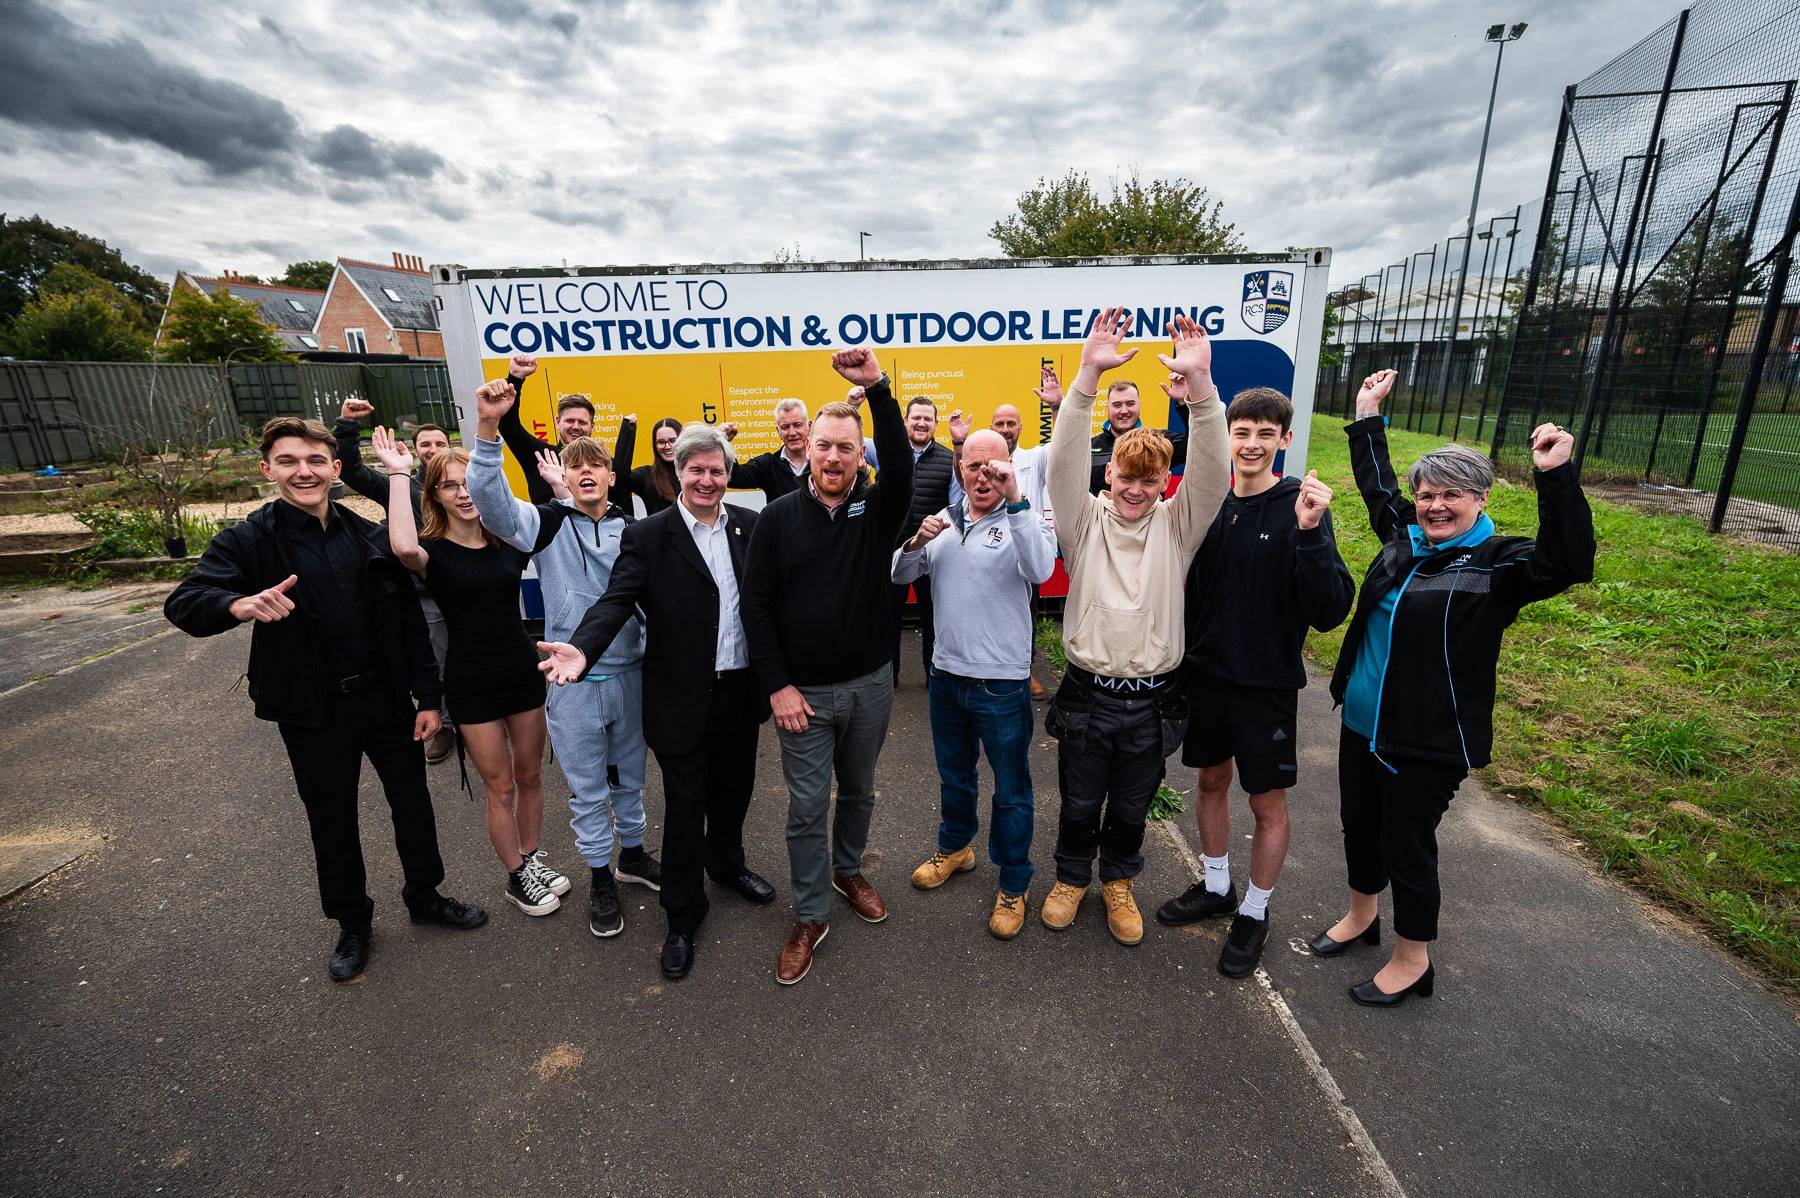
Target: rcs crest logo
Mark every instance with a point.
(1268, 298)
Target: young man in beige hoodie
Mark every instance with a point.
(1120, 710)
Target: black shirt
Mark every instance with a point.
(331, 592)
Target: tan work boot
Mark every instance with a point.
(1122, 916)
(1008, 916)
(937, 871)
(1061, 904)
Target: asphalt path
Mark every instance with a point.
(166, 1023)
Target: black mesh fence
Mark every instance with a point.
(1657, 316)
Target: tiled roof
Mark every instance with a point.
(413, 310)
(275, 302)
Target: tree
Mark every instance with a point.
(217, 327)
(162, 448)
(313, 276)
(31, 247)
(1068, 219)
(76, 316)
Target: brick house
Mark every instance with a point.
(378, 309)
(293, 311)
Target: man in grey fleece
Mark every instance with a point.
(597, 725)
(984, 554)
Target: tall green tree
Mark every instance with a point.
(1067, 218)
(76, 316)
(32, 246)
(216, 327)
(313, 276)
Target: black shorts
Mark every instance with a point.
(1253, 726)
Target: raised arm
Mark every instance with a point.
(910, 560)
(1069, 464)
(1389, 510)
(524, 446)
(623, 449)
(347, 431)
(403, 534)
(894, 491)
(1208, 472)
(1323, 588)
(1032, 539)
(1564, 551)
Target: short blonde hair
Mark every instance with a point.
(1142, 453)
(585, 451)
(839, 408)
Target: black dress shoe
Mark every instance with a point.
(447, 912)
(1244, 945)
(1324, 946)
(351, 956)
(1370, 995)
(1197, 903)
(750, 885)
(678, 955)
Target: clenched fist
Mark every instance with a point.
(928, 529)
(1375, 388)
(858, 365)
(523, 366)
(356, 409)
(1314, 498)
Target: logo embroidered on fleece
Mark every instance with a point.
(996, 536)
(856, 509)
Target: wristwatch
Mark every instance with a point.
(1013, 509)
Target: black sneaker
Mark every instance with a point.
(604, 918)
(1197, 903)
(1243, 946)
(528, 893)
(640, 867)
(448, 913)
(351, 955)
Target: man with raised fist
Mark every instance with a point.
(816, 615)
(574, 420)
(1268, 569)
(341, 664)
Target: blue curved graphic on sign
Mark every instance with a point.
(1239, 365)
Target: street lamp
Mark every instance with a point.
(860, 238)
(1499, 35)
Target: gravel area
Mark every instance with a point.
(65, 522)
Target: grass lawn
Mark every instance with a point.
(1653, 711)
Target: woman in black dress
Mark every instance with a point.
(655, 484)
(491, 681)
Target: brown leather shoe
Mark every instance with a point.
(437, 749)
(797, 954)
(1037, 688)
(862, 897)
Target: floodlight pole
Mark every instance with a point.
(860, 238)
(1462, 277)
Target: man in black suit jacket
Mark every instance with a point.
(683, 569)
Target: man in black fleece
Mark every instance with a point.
(1269, 567)
(815, 610)
(574, 420)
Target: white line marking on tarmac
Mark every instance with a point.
(1334, 1094)
(116, 649)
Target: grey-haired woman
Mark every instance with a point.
(1415, 678)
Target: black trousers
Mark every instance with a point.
(706, 794)
(327, 765)
(1390, 819)
(1109, 762)
(921, 588)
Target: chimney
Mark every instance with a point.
(397, 262)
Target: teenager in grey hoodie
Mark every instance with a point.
(596, 727)
(983, 554)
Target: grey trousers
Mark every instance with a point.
(440, 645)
(844, 734)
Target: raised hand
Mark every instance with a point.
(929, 528)
(790, 706)
(266, 607)
(1176, 387)
(858, 365)
(1049, 391)
(523, 366)
(1003, 478)
(395, 457)
(730, 429)
(1101, 349)
(565, 664)
(1310, 504)
(1375, 388)
(628, 418)
(1551, 446)
(493, 400)
(1193, 355)
(550, 469)
(959, 427)
(356, 409)
(855, 396)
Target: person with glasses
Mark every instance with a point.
(491, 683)
(656, 483)
(1416, 674)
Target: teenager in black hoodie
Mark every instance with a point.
(1269, 567)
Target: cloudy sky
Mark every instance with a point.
(207, 135)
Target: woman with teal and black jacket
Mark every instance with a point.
(1415, 678)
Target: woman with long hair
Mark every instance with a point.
(491, 681)
(655, 484)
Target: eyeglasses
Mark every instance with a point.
(1451, 497)
(452, 488)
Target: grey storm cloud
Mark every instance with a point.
(57, 78)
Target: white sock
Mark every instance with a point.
(1256, 901)
(1218, 873)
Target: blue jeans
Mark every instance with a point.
(998, 715)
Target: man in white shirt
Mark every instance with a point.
(683, 570)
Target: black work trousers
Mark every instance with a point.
(706, 793)
(921, 589)
(1109, 762)
(1390, 814)
(327, 765)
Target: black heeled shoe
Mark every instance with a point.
(1324, 946)
(1370, 995)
